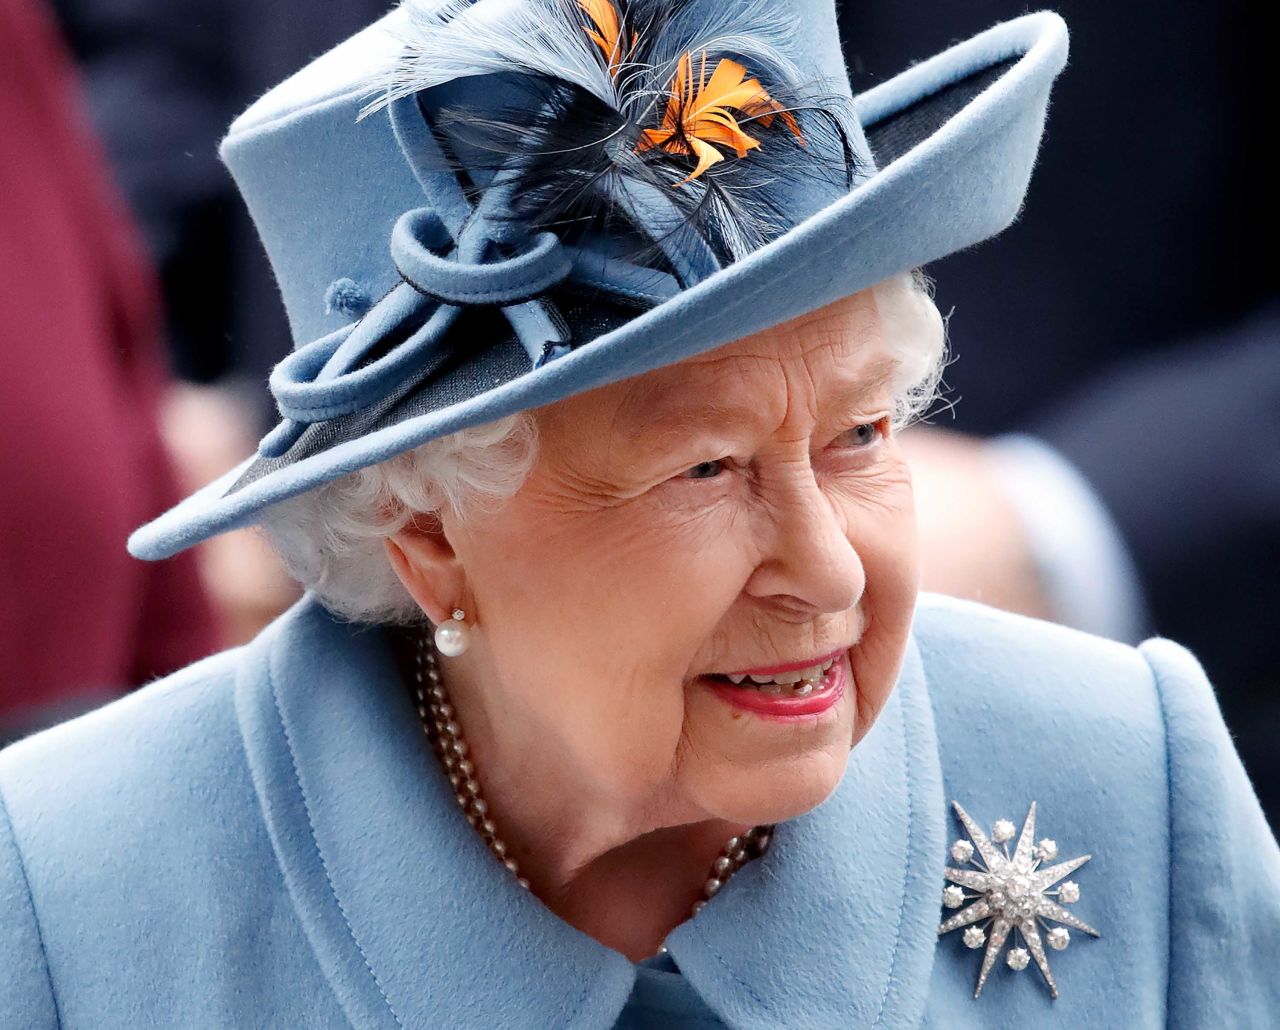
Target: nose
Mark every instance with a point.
(808, 563)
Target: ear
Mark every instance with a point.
(424, 560)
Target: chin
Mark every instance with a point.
(779, 791)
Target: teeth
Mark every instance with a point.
(785, 677)
(813, 672)
(798, 683)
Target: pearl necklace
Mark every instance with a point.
(440, 725)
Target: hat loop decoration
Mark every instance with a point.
(322, 379)
(418, 239)
(450, 255)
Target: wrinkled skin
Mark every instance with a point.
(743, 508)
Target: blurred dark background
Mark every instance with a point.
(1150, 214)
(1128, 320)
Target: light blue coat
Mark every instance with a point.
(262, 840)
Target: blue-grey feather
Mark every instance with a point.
(575, 133)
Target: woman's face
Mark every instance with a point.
(740, 510)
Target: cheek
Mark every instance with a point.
(593, 619)
(882, 527)
(883, 530)
(635, 577)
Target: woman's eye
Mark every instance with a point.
(704, 470)
(863, 435)
(860, 437)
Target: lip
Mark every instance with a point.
(777, 707)
(774, 670)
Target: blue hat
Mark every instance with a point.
(476, 207)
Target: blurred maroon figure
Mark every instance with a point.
(82, 461)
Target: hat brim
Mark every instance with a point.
(955, 139)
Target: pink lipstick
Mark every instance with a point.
(748, 696)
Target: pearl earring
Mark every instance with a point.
(453, 636)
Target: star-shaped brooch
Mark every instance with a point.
(1012, 895)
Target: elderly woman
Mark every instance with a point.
(611, 701)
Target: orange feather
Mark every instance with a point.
(700, 115)
(607, 34)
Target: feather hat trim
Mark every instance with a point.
(631, 99)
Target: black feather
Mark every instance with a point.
(571, 150)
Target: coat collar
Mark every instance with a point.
(414, 924)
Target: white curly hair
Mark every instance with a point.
(331, 538)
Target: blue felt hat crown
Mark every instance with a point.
(475, 207)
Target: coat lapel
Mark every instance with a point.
(415, 924)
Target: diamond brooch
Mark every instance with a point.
(1010, 894)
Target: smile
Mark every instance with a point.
(807, 691)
